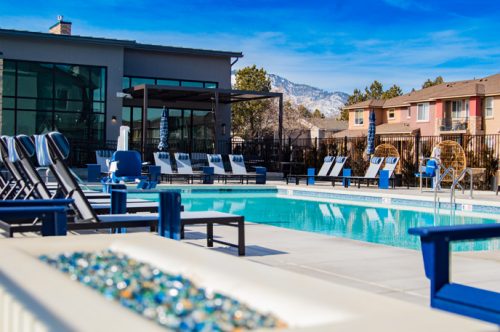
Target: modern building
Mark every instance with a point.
(87, 87)
(463, 107)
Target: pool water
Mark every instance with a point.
(378, 225)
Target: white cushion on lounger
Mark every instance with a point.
(339, 165)
(162, 159)
(390, 165)
(215, 161)
(374, 167)
(183, 163)
(327, 164)
(237, 164)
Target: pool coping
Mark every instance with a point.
(463, 205)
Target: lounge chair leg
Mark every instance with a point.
(210, 234)
(241, 238)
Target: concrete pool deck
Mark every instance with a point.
(391, 271)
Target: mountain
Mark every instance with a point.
(329, 103)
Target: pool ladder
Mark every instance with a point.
(455, 183)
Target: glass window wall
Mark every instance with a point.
(40, 97)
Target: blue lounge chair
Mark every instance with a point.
(371, 174)
(18, 186)
(449, 296)
(326, 172)
(162, 159)
(390, 165)
(25, 150)
(52, 150)
(129, 167)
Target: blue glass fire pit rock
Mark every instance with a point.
(171, 300)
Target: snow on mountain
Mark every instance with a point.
(329, 103)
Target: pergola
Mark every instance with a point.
(166, 93)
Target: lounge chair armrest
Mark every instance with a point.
(457, 233)
(465, 300)
(35, 202)
(53, 217)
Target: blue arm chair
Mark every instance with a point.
(52, 213)
(129, 166)
(461, 299)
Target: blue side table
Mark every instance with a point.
(261, 175)
(93, 172)
(154, 173)
(310, 176)
(346, 173)
(169, 209)
(383, 181)
(208, 175)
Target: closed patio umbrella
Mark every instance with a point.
(163, 145)
(370, 148)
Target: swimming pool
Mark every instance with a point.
(388, 226)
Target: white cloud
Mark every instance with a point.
(336, 62)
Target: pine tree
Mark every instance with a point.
(375, 91)
(394, 91)
(249, 119)
(429, 82)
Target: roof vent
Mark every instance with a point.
(61, 27)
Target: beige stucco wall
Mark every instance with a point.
(492, 124)
(400, 115)
(379, 118)
(427, 128)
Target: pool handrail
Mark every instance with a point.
(446, 295)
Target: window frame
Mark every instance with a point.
(393, 112)
(426, 107)
(356, 118)
(127, 82)
(53, 111)
(486, 115)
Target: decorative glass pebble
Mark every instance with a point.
(171, 300)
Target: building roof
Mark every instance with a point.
(486, 86)
(191, 94)
(127, 44)
(395, 128)
(385, 128)
(366, 104)
(329, 124)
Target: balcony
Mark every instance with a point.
(455, 125)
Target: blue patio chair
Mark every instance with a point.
(429, 170)
(446, 295)
(129, 167)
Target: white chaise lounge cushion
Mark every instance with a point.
(237, 164)
(327, 164)
(374, 167)
(162, 159)
(339, 165)
(183, 163)
(215, 161)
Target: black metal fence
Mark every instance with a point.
(307, 152)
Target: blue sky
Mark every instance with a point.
(335, 45)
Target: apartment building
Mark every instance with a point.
(467, 107)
